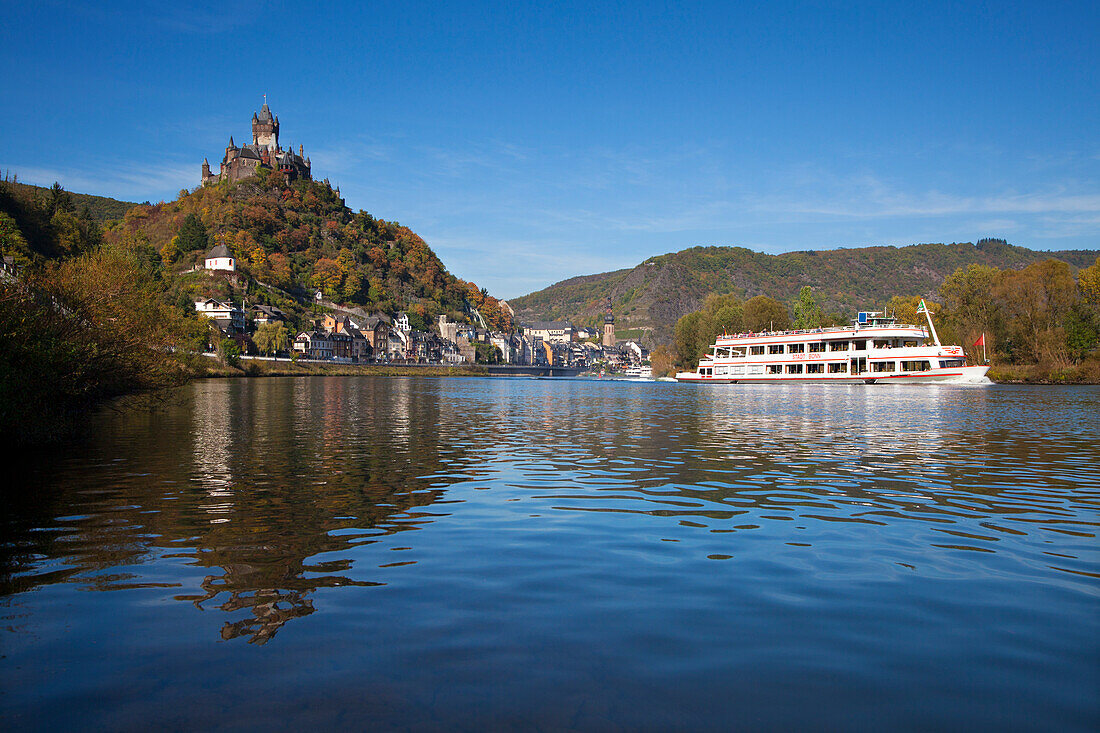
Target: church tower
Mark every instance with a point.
(609, 326)
(265, 129)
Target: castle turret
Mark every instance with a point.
(206, 170)
(231, 151)
(265, 128)
(241, 162)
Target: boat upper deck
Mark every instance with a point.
(881, 331)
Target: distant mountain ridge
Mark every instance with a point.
(653, 295)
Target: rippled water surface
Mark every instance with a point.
(379, 553)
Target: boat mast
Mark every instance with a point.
(928, 315)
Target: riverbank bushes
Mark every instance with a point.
(79, 331)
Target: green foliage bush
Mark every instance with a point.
(80, 331)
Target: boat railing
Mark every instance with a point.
(803, 331)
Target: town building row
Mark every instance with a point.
(346, 337)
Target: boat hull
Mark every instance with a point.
(957, 375)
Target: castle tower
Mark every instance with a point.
(206, 170)
(264, 150)
(609, 326)
(265, 129)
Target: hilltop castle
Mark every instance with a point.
(264, 151)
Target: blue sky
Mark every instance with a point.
(531, 142)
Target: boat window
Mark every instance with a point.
(882, 343)
(817, 347)
(737, 370)
(794, 369)
(952, 363)
(721, 370)
(775, 349)
(882, 366)
(859, 345)
(915, 366)
(796, 348)
(838, 367)
(775, 368)
(815, 368)
(838, 346)
(756, 369)
(756, 350)
(909, 344)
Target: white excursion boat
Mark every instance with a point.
(875, 348)
(639, 372)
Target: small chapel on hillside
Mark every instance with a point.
(264, 151)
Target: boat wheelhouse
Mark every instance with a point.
(875, 348)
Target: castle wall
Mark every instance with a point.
(265, 136)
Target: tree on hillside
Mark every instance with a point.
(661, 359)
(271, 338)
(726, 312)
(970, 305)
(697, 331)
(1036, 301)
(1083, 323)
(807, 313)
(193, 235)
(1088, 282)
(688, 339)
(905, 309)
(766, 314)
(58, 199)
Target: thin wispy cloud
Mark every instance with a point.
(124, 181)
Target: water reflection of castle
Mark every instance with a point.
(282, 464)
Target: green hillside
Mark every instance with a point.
(656, 293)
(99, 208)
(294, 240)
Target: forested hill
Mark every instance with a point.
(98, 208)
(656, 293)
(301, 238)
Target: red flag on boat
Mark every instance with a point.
(980, 341)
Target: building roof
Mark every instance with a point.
(549, 326)
(265, 113)
(219, 250)
(269, 310)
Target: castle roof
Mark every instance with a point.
(219, 250)
(265, 113)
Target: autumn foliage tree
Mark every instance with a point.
(300, 237)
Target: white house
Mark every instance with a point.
(555, 332)
(224, 314)
(314, 344)
(220, 259)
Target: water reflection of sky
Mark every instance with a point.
(421, 509)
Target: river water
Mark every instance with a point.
(471, 554)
